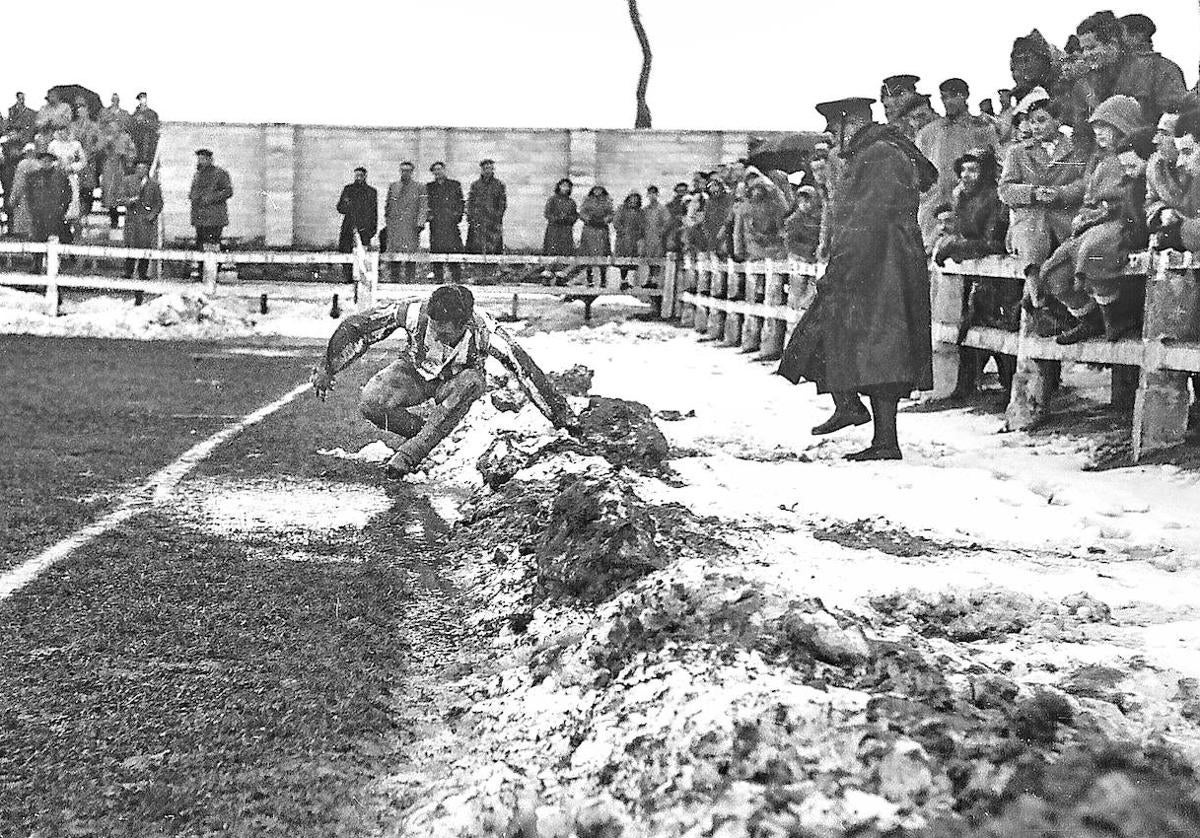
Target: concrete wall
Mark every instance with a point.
(287, 178)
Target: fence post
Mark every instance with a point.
(1161, 407)
(947, 304)
(670, 290)
(720, 282)
(752, 324)
(52, 257)
(732, 334)
(704, 281)
(1034, 381)
(210, 267)
(771, 340)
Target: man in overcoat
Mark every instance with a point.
(868, 331)
(143, 205)
(446, 206)
(359, 206)
(18, 130)
(144, 128)
(486, 203)
(404, 213)
(48, 192)
(209, 196)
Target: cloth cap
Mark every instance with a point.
(204, 152)
(1122, 112)
(362, 169)
(895, 85)
(1140, 24)
(451, 304)
(487, 161)
(841, 108)
(955, 87)
(1038, 94)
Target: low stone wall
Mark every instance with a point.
(287, 178)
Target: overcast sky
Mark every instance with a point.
(538, 63)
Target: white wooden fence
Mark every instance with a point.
(754, 305)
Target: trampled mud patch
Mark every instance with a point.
(866, 534)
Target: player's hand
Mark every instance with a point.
(321, 380)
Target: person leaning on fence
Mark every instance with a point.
(209, 196)
(422, 396)
(869, 329)
(143, 205)
(359, 207)
(48, 192)
(404, 214)
(444, 197)
(1085, 272)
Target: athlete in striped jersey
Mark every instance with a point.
(448, 342)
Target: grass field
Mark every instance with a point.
(224, 664)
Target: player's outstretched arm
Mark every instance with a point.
(351, 339)
(529, 375)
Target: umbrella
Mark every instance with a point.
(787, 152)
(69, 92)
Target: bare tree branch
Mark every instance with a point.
(643, 110)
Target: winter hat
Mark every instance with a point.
(1121, 112)
(1038, 94)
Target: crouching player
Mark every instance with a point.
(443, 366)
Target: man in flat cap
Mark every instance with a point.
(445, 201)
(209, 196)
(144, 128)
(944, 141)
(359, 206)
(868, 331)
(426, 392)
(486, 203)
(48, 194)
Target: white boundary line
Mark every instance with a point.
(154, 492)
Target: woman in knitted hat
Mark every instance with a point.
(1085, 272)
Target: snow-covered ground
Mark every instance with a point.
(1093, 569)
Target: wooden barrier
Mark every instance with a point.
(1150, 372)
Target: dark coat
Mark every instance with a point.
(561, 214)
(359, 206)
(1156, 82)
(210, 192)
(871, 324)
(445, 213)
(629, 224)
(981, 222)
(48, 192)
(486, 203)
(143, 205)
(596, 214)
(144, 128)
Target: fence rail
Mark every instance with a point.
(755, 306)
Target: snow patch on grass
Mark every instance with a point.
(284, 506)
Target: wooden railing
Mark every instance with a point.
(754, 306)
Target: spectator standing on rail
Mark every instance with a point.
(359, 206)
(1156, 83)
(209, 196)
(868, 330)
(144, 128)
(445, 201)
(944, 141)
(118, 154)
(1031, 63)
(143, 205)
(487, 201)
(597, 213)
(404, 214)
(49, 194)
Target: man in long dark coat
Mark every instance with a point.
(48, 192)
(486, 203)
(868, 331)
(143, 201)
(445, 197)
(359, 206)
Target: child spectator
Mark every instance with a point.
(1085, 272)
(803, 225)
(1042, 184)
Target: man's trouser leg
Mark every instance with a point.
(453, 401)
(388, 394)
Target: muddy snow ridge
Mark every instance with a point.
(641, 682)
